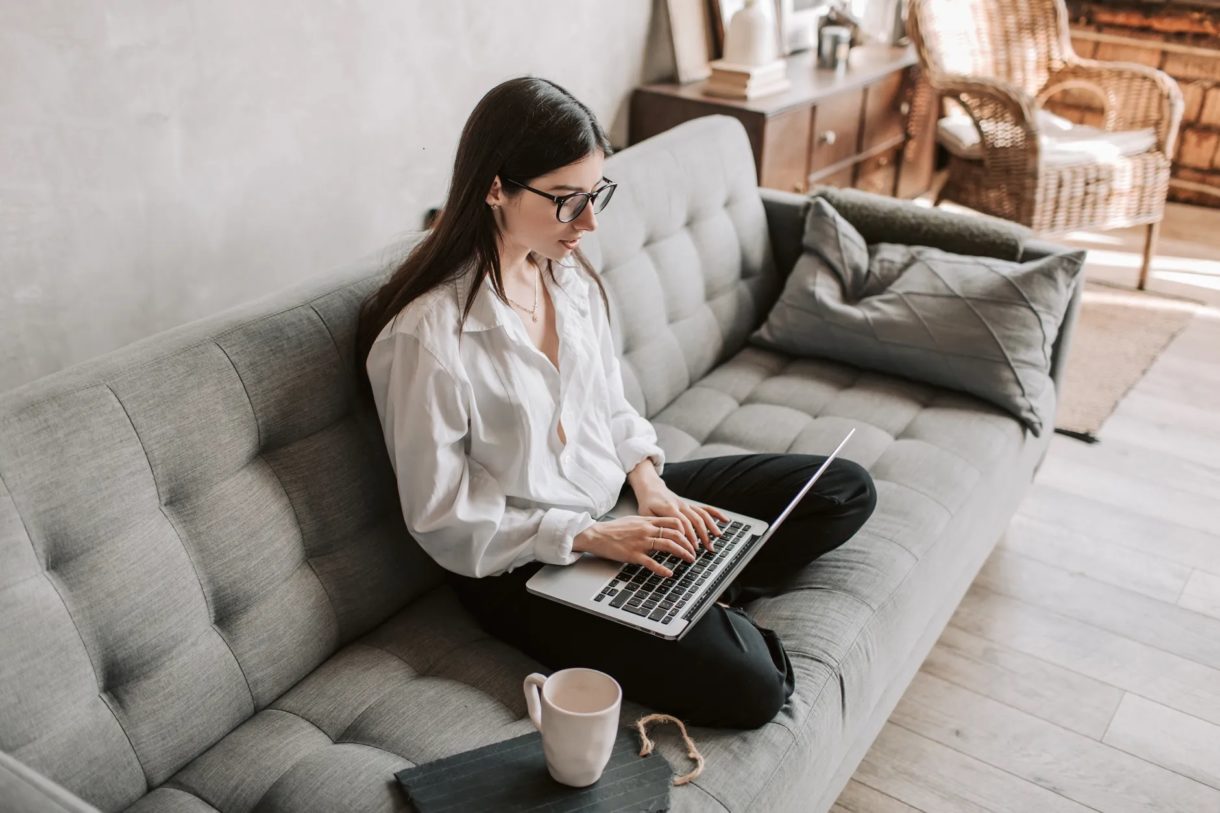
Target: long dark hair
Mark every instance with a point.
(521, 129)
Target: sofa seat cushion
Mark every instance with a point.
(430, 682)
(426, 684)
(929, 451)
(948, 468)
(926, 439)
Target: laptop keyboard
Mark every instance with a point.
(641, 592)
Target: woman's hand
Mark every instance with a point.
(698, 522)
(633, 539)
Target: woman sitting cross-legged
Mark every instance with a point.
(491, 363)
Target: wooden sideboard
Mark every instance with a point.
(871, 126)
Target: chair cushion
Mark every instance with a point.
(1063, 143)
(975, 324)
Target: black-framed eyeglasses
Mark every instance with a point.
(569, 207)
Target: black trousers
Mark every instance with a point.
(726, 671)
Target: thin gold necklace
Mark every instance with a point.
(533, 312)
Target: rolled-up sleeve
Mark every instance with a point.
(454, 508)
(634, 436)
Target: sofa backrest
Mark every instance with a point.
(188, 526)
(684, 254)
(192, 523)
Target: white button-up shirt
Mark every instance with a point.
(471, 427)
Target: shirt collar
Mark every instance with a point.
(488, 311)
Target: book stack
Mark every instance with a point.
(735, 81)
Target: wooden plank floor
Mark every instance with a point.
(1082, 669)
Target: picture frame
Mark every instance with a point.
(798, 23)
(721, 12)
(690, 29)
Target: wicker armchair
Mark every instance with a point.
(1001, 60)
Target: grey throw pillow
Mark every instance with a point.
(975, 324)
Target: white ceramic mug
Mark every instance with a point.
(577, 712)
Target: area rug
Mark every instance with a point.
(1119, 334)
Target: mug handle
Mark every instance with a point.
(533, 701)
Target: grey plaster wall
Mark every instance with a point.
(161, 160)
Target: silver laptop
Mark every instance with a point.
(633, 595)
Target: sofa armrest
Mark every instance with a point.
(23, 788)
(785, 225)
(882, 219)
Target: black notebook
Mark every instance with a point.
(512, 776)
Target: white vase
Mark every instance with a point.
(750, 39)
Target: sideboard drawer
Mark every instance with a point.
(885, 111)
(785, 138)
(879, 173)
(836, 130)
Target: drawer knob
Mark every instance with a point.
(829, 137)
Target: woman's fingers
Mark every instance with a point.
(665, 546)
(666, 520)
(689, 528)
(707, 525)
(678, 550)
(700, 525)
(684, 523)
(692, 526)
(672, 528)
(653, 565)
(710, 528)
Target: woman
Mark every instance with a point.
(492, 367)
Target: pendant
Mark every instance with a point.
(534, 316)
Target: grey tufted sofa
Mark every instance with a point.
(208, 599)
